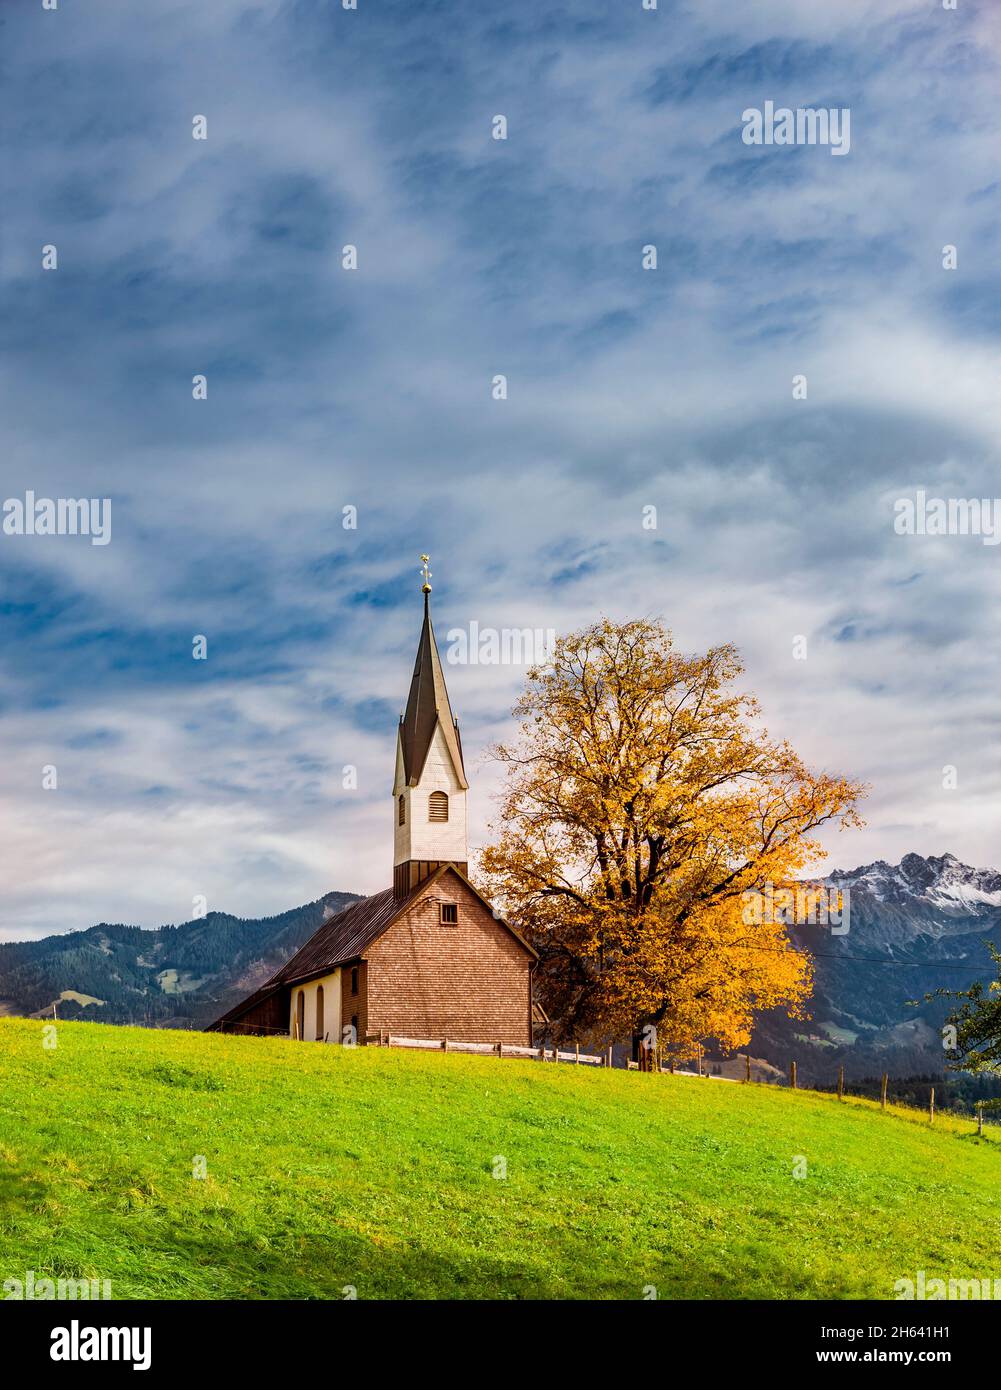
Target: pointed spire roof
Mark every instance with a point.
(428, 707)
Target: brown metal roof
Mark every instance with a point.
(427, 707)
(343, 938)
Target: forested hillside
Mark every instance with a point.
(175, 976)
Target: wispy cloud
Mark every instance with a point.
(372, 389)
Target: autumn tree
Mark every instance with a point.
(643, 809)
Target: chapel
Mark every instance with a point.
(427, 958)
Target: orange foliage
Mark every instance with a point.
(643, 806)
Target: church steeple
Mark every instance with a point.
(429, 793)
(427, 706)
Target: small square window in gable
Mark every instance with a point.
(449, 914)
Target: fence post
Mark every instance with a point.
(672, 1064)
(576, 1048)
(841, 1083)
(542, 1053)
(698, 1056)
(609, 1055)
(500, 1049)
(792, 1075)
(748, 1060)
(980, 1117)
(444, 1044)
(882, 1091)
(931, 1107)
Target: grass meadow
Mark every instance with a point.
(329, 1169)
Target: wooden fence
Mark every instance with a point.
(497, 1049)
(649, 1064)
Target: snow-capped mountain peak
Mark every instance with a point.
(942, 881)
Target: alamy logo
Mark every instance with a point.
(58, 516)
(30, 1289)
(934, 1290)
(506, 646)
(820, 905)
(806, 125)
(76, 1343)
(948, 516)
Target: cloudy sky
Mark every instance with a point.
(627, 389)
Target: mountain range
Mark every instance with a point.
(171, 977)
(913, 927)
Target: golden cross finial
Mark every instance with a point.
(425, 570)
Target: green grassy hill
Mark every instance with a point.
(330, 1167)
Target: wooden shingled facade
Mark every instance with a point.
(419, 975)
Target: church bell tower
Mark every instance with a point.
(429, 791)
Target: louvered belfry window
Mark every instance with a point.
(438, 806)
(403, 811)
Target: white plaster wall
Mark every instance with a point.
(424, 839)
(331, 1008)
